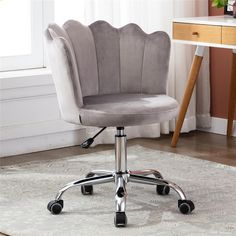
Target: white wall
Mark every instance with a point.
(29, 115)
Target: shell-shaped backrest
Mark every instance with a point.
(124, 60)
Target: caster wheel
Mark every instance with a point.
(55, 206)
(162, 189)
(120, 219)
(87, 189)
(186, 206)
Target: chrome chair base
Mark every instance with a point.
(121, 176)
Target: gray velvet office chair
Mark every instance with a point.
(108, 77)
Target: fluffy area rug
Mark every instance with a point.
(26, 189)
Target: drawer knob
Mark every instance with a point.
(195, 34)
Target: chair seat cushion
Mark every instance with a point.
(121, 110)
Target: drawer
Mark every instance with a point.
(198, 33)
(229, 35)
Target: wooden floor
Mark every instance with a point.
(197, 144)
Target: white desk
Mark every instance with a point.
(212, 31)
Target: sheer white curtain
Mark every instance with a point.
(151, 15)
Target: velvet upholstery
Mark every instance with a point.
(65, 74)
(109, 76)
(108, 57)
(127, 109)
(83, 44)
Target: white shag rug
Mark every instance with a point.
(26, 189)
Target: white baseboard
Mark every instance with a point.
(41, 143)
(20, 139)
(219, 126)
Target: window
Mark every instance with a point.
(21, 41)
(22, 24)
(74, 10)
(86, 11)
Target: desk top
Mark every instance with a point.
(209, 20)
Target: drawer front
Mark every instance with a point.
(229, 35)
(198, 33)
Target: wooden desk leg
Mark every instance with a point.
(193, 75)
(232, 97)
